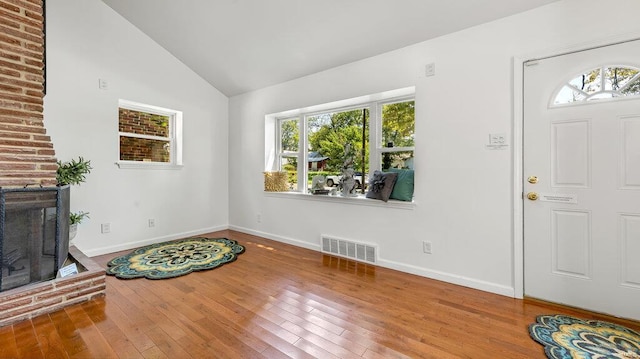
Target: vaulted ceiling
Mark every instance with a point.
(243, 45)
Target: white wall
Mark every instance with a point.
(464, 200)
(87, 40)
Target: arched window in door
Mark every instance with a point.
(601, 83)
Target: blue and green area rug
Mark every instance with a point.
(175, 258)
(566, 337)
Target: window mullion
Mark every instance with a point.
(396, 149)
(176, 138)
(375, 136)
(279, 149)
(147, 137)
(303, 155)
(172, 137)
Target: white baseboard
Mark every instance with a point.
(130, 245)
(287, 240)
(449, 278)
(407, 268)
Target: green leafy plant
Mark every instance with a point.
(73, 172)
(77, 217)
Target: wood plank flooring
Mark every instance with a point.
(280, 301)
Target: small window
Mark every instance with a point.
(607, 82)
(148, 134)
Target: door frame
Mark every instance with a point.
(518, 64)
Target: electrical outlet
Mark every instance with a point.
(259, 218)
(426, 247)
(105, 227)
(152, 222)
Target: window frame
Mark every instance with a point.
(374, 104)
(174, 139)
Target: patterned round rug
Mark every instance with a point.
(175, 258)
(566, 337)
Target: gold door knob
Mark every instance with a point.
(532, 179)
(532, 196)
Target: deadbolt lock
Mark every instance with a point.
(532, 196)
(532, 179)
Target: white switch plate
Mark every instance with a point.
(105, 227)
(430, 69)
(103, 84)
(498, 139)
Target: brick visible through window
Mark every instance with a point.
(146, 133)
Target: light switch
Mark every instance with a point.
(498, 139)
(430, 69)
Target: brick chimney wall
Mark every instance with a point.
(27, 156)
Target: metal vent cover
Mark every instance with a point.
(349, 249)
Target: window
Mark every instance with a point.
(398, 130)
(379, 132)
(148, 135)
(606, 82)
(289, 144)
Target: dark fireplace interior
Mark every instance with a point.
(34, 234)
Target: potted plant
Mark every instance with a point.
(75, 218)
(71, 173)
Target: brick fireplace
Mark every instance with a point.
(27, 156)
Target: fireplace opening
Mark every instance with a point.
(34, 234)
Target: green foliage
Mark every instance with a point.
(73, 172)
(77, 217)
(159, 120)
(330, 133)
(617, 76)
(292, 177)
(290, 135)
(398, 124)
(291, 165)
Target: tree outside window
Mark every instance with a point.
(398, 131)
(326, 134)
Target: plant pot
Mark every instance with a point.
(73, 230)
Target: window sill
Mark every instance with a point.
(147, 165)
(359, 200)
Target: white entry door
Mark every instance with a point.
(582, 180)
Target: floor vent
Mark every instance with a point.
(349, 249)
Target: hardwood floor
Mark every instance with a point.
(279, 301)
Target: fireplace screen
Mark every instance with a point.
(34, 234)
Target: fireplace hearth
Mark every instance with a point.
(34, 234)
